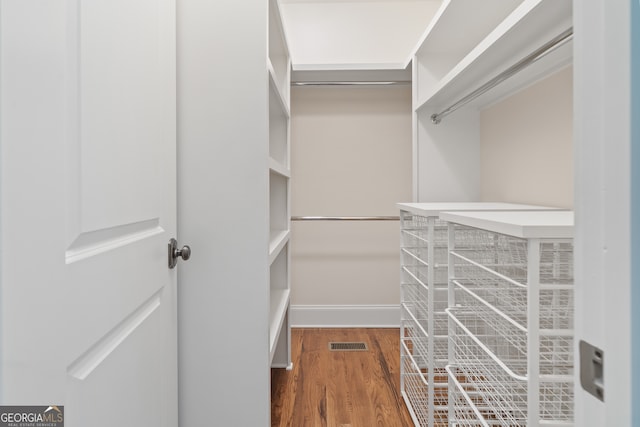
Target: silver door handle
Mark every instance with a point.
(175, 253)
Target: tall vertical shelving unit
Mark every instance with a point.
(279, 75)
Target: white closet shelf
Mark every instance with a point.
(525, 225)
(279, 37)
(279, 61)
(434, 209)
(444, 32)
(279, 238)
(279, 168)
(278, 310)
(528, 27)
(280, 91)
(350, 67)
(280, 79)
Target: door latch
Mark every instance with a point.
(592, 369)
(175, 253)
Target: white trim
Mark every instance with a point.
(345, 316)
(287, 366)
(351, 66)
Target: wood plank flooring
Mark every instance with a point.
(340, 389)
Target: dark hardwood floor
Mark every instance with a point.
(340, 389)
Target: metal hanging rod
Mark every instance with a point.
(361, 83)
(541, 52)
(345, 218)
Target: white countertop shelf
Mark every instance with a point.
(434, 209)
(522, 224)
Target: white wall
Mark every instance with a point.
(334, 33)
(526, 149)
(350, 156)
(447, 157)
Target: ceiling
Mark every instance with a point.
(352, 35)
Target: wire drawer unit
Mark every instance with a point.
(424, 348)
(423, 320)
(510, 318)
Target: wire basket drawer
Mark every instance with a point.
(424, 324)
(468, 404)
(416, 389)
(510, 328)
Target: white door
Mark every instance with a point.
(603, 188)
(87, 199)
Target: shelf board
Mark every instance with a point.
(283, 99)
(279, 168)
(350, 66)
(445, 32)
(279, 305)
(275, 8)
(522, 224)
(278, 241)
(529, 26)
(434, 209)
(349, 75)
(278, 58)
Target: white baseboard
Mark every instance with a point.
(287, 366)
(345, 316)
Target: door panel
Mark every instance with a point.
(87, 207)
(124, 77)
(93, 382)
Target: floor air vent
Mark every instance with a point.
(348, 346)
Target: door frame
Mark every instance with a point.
(603, 204)
(635, 207)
